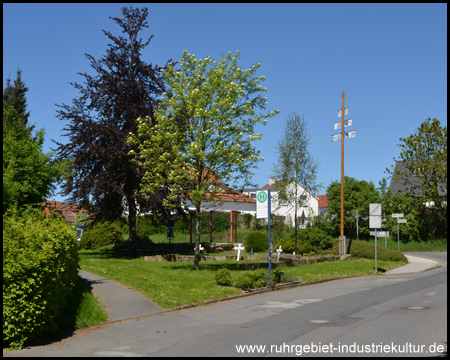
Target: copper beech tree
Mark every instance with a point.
(122, 89)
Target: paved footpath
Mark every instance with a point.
(119, 301)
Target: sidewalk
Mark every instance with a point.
(415, 265)
(119, 301)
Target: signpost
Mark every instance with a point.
(356, 215)
(375, 223)
(263, 212)
(399, 221)
(343, 135)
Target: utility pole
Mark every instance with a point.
(349, 134)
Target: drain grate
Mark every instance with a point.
(416, 308)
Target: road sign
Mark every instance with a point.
(375, 216)
(397, 215)
(302, 226)
(402, 221)
(374, 209)
(262, 204)
(380, 233)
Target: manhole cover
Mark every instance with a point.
(415, 308)
(321, 321)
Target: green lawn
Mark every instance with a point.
(173, 284)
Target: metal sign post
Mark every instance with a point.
(375, 223)
(263, 212)
(356, 214)
(398, 216)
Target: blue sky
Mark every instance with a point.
(389, 59)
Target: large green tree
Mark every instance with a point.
(123, 88)
(295, 172)
(358, 194)
(203, 131)
(424, 155)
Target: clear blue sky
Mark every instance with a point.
(389, 59)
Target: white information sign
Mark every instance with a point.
(397, 215)
(402, 221)
(262, 204)
(380, 233)
(375, 216)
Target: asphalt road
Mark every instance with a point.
(383, 315)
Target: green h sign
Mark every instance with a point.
(262, 204)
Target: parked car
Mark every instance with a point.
(79, 235)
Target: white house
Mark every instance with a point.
(284, 209)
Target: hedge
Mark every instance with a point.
(100, 235)
(40, 262)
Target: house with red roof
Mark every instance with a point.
(68, 211)
(323, 204)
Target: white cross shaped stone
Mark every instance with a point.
(279, 251)
(239, 248)
(200, 247)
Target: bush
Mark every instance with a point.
(309, 240)
(223, 277)
(100, 235)
(257, 241)
(40, 261)
(251, 280)
(364, 249)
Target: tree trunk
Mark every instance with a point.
(197, 239)
(132, 231)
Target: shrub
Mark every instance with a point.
(223, 277)
(100, 235)
(309, 240)
(251, 280)
(257, 241)
(40, 261)
(364, 249)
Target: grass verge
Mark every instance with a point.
(173, 284)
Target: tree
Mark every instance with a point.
(358, 194)
(123, 89)
(383, 188)
(296, 166)
(29, 174)
(424, 155)
(15, 96)
(204, 130)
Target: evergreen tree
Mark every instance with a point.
(15, 96)
(29, 175)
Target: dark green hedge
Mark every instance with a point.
(100, 235)
(40, 262)
(258, 241)
(364, 249)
